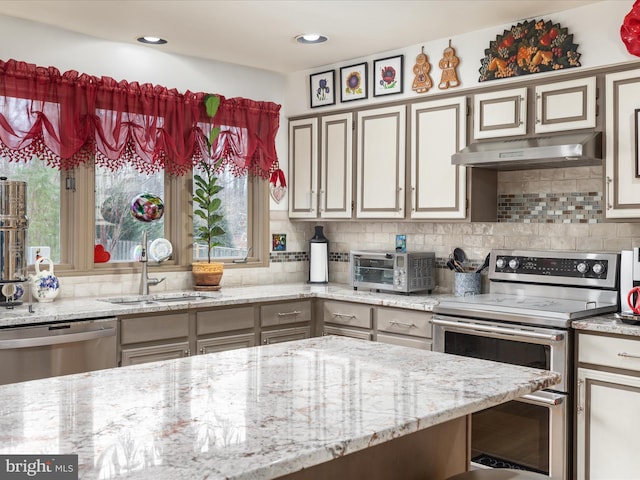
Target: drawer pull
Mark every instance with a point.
(580, 387)
(344, 315)
(403, 324)
(628, 355)
(285, 314)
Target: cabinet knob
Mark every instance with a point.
(202, 351)
(187, 353)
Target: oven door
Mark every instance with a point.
(531, 432)
(535, 347)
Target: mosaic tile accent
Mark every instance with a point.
(339, 257)
(573, 207)
(282, 257)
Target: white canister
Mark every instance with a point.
(44, 284)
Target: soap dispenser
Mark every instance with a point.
(318, 257)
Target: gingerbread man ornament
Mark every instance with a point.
(448, 64)
(422, 81)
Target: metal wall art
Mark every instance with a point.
(529, 47)
(321, 89)
(421, 81)
(387, 76)
(353, 82)
(448, 64)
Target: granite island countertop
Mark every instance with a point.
(255, 413)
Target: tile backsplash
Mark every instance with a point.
(557, 220)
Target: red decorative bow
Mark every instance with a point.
(278, 185)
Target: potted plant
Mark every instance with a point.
(207, 275)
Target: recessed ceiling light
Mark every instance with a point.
(311, 38)
(152, 40)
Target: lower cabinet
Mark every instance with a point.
(285, 321)
(166, 351)
(154, 337)
(409, 328)
(346, 319)
(608, 396)
(223, 329)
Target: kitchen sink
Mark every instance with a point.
(159, 299)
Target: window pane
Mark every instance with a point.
(43, 205)
(234, 198)
(116, 228)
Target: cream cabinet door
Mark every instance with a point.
(303, 168)
(621, 164)
(438, 130)
(607, 425)
(566, 105)
(380, 173)
(336, 160)
(500, 114)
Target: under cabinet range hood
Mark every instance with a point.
(569, 150)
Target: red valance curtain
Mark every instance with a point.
(70, 118)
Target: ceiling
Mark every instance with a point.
(260, 33)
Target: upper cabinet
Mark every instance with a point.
(567, 105)
(622, 159)
(332, 144)
(500, 114)
(438, 130)
(336, 170)
(380, 153)
(303, 168)
(556, 107)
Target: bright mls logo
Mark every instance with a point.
(50, 467)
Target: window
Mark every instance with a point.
(72, 121)
(117, 231)
(43, 205)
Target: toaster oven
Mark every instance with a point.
(403, 272)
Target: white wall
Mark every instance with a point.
(596, 29)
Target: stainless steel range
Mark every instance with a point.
(525, 319)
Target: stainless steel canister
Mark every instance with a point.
(13, 230)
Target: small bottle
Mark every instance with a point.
(318, 257)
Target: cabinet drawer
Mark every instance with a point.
(609, 351)
(285, 335)
(169, 351)
(284, 313)
(228, 342)
(403, 341)
(405, 322)
(224, 320)
(346, 332)
(154, 327)
(345, 313)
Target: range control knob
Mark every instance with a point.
(501, 263)
(582, 267)
(514, 264)
(598, 268)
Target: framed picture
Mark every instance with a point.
(637, 117)
(388, 76)
(279, 242)
(322, 89)
(353, 82)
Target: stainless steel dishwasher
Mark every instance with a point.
(49, 350)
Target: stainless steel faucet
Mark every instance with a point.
(145, 281)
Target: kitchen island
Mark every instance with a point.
(304, 409)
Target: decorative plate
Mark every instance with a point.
(147, 207)
(160, 249)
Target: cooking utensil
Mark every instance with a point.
(484, 265)
(459, 255)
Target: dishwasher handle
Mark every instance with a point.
(44, 340)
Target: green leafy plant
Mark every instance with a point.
(207, 189)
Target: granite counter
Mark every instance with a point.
(255, 413)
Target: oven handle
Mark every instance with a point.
(489, 328)
(548, 399)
